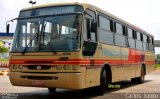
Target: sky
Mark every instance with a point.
(142, 13)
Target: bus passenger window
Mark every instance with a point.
(105, 30)
(141, 35)
(138, 36)
(119, 28)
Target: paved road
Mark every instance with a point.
(149, 89)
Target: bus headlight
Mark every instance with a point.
(59, 67)
(20, 67)
(66, 67)
(15, 67)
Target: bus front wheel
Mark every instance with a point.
(103, 82)
(52, 90)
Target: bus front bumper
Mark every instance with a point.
(56, 80)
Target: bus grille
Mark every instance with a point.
(43, 67)
(39, 77)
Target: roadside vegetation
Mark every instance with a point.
(157, 61)
(3, 51)
(157, 65)
(3, 60)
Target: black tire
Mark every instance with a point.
(103, 82)
(139, 80)
(134, 80)
(142, 77)
(52, 90)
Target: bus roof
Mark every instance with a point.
(53, 4)
(86, 5)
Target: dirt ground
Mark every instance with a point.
(149, 89)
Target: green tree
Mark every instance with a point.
(3, 50)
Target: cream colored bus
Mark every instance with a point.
(77, 46)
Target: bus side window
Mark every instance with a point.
(120, 36)
(90, 36)
(148, 41)
(105, 30)
(131, 39)
(151, 44)
(91, 31)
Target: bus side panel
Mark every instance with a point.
(92, 77)
(150, 62)
(112, 55)
(128, 62)
(139, 60)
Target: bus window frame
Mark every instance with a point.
(94, 20)
(131, 38)
(110, 31)
(124, 33)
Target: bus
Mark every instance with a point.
(75, 46)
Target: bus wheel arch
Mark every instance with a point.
(107, 67)
(105, 78)
(140, 80)
(144, 66)
(143, 73)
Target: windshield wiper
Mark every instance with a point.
(49, 45)
(30, 42)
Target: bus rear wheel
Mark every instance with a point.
(139, 80)
(52, 90)
(142, 77)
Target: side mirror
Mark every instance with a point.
(88, 28)
(7, 28)
(8, 25)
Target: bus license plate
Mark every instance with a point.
(38, 83)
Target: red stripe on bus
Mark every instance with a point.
(76, 61)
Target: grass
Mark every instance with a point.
(157, 65)
(3, 60)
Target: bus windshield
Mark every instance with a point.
(53, 33)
